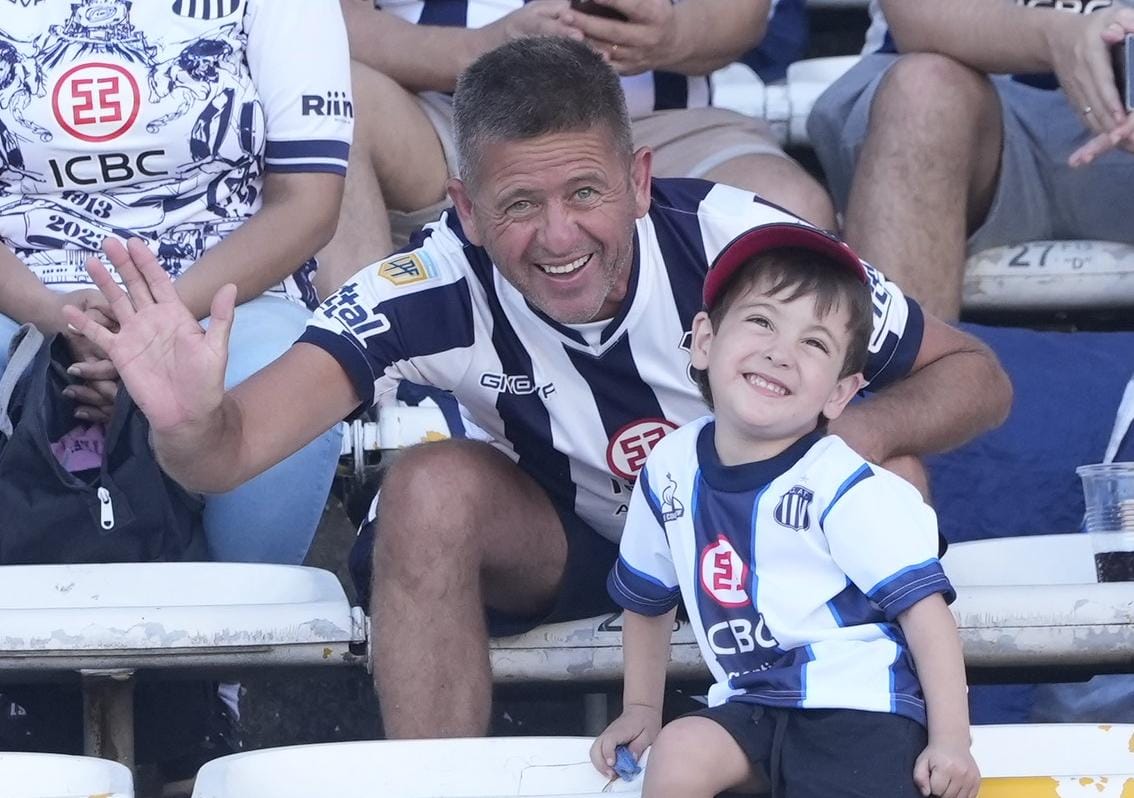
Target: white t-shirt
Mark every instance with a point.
(159, 119)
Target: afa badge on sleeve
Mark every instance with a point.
(406, 269)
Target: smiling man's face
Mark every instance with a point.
(556, 214)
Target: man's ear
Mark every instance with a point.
(844, 391)
(702, 341)
(641, 170)
(462, 201)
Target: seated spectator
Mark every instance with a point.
(413, 52)
(933, 154)
(193, 127)
(848, 679)
(555, 302)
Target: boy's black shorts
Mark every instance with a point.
(826, 753)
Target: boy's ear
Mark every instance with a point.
(702, 341)
(844, 391)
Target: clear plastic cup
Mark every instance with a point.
(1108, 489)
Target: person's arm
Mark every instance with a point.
(694, 37)
(429, 57)
(206, 439)
(956, 390)
(645, 651)
(297, 218)
(305, 154)
(26, 300)
(1001, 36)
(946, 767)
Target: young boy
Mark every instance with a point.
(811, 576)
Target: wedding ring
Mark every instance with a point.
(1087, 110)
(613, 51)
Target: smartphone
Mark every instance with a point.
(1123, 54)
(594, 9)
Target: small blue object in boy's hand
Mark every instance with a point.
(625, 764)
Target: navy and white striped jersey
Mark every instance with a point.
(649, 91)
(577, 407)
(793, 569)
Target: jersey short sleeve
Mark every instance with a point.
(898, 329)
(407, 317)
(643, 580)
(884, 538)
(297, 54)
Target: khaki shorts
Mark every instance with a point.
(686, 143)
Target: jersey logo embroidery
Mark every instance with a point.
(204, 9)
(627, 450)
(672, 509)
(96, 101)
(794, 509)
(724, 574)
(407, 269)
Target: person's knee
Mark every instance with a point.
(920, 86)
(675, 757)
(782, 181)
(434, 498)
(375, 96)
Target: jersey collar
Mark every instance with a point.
(749, 476)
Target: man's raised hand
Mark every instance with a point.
(173, 369)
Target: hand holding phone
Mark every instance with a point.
(597, 10)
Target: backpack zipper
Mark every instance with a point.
(106, 509)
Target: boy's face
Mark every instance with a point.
(773, 367)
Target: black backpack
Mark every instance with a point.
(127, 510)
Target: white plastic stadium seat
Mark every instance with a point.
(1067, 760)
(1027, 602)
(104, 622)
(1051, 276)
(785, 106)
(1034, 601)
(59, 776)
(1027, 560)
(500, 766)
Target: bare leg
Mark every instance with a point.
(363, 233)
(781, 181)
(694, 758)
(926, 176)
(396, 161)
(461, 527)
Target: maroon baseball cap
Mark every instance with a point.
(776, 235)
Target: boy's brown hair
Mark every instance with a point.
(796, 272)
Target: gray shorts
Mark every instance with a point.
(1038, 195)
(686, 143)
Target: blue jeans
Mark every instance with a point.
(272, 517)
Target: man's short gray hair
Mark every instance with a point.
(532, 87)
